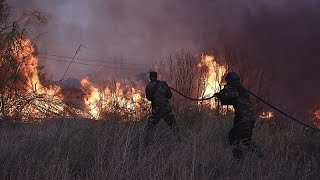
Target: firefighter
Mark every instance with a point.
(240, 135)
(159, 93)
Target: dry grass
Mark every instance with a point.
(85, 149)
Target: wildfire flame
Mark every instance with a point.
(37, 100)
(29, 68)
(267, 115)
(120, 100)
(213, 78)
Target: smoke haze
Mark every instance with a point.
(281, 35)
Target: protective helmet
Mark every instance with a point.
(232, 77)
(153, 74)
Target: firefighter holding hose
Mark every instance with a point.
(240, 135)
(159, 93)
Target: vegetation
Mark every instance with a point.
(85, 149)
(12, 34)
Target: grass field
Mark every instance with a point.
(113, 149)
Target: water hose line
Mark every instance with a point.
(260, 99)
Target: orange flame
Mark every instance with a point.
(267, 115)
(213, 77)
(41, 97)
(29, 68)
(92, 97)
(120, 100)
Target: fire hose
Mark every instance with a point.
(261, 100)
(282, 112)
(192, 99)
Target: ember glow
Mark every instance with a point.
(316, 117)
(317, 114)
(267, 115)
(119, 99)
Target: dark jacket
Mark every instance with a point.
(236, 95)
(158, 92)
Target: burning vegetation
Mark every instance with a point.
(123, 100)
(213, 78)
(33, 99)
(26, 97)
(26, 93)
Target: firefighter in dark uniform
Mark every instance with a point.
(159, 93)
(240, 135)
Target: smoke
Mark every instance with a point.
(282, 36)
(285, 40)
(116, 30)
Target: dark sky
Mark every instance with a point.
(283, 36)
